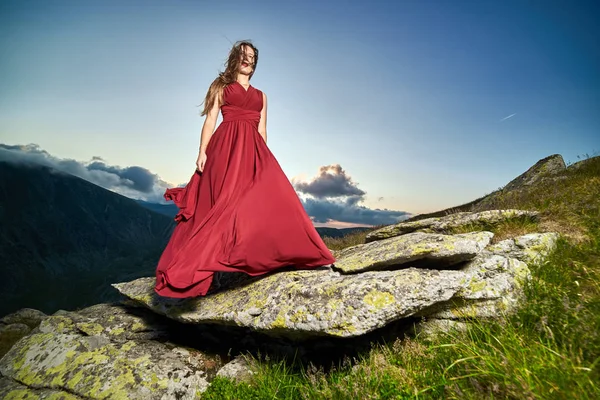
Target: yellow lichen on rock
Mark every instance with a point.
(90, 328)
(379, 299)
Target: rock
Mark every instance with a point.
(105, 351)
(441, 250)
(120, 324)
(532, 248)
(430, 328)
(493, 286)
(465, 310)
(92, 367)
(460, 220)
(492, 277)
(543, 168)
(10, 389)
(81, 354)
(10, 334)
(301, 304)
(117, 323)
(237, 370)
(27, 316)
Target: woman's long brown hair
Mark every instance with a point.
(215, 90)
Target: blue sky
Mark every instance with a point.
(408, 100)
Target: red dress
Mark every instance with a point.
(241, 214)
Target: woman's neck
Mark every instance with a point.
(243, 79)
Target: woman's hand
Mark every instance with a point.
(201, 161)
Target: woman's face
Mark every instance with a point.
(246, 60)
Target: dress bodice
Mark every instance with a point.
(241, 104)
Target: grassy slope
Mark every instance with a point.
(550, 349)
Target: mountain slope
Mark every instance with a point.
(63, 240)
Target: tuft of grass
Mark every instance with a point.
(274, 380)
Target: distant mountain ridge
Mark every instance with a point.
(63, 240)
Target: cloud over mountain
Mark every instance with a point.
(133, 181)
(332, 181)
(333, 196)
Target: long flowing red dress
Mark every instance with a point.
(241, 214)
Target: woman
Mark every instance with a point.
(238, 212)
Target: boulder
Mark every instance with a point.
(301, 304)
(460, 220)
(93, 367)
(238, 370)
(532, 248)
(495, 278)
(434, 248)
(28, 316)
(493, 286)
(79, 353)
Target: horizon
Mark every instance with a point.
(376, 111)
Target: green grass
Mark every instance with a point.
(549, 349)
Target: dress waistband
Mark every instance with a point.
(232, 113)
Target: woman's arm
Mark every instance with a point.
(262, 125)
(209, 125)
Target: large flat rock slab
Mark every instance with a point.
(303, 304)
(438, 249)
(449, 222)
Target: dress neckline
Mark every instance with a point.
(242, 86)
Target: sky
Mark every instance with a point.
(377, 110)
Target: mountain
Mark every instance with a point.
(64, 240)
